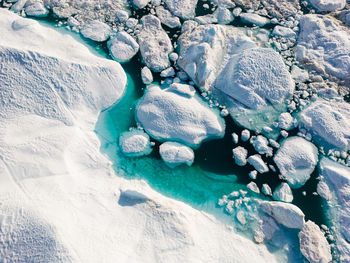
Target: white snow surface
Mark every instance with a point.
(329, 123)
(56, 187)
(175, 154)
(337, 178)
(313, 244)
(176, 113)
(296, 159)
(324, 46)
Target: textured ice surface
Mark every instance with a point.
(337, 178)
(177, 113)
(96, 30)
(328, 5)
(296, 159)
(175, 154)
(283, 193)
(135, 143)
(324, 46)
(123, 47)
(329, 123)
(184, 9)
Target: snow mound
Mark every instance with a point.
(328, 5)
(135, 143)
(175, 154)
(177, 113)
(286, 214)
(313, 244)
(155, 44)
(324, 46)
(123, 47)
(337, 178)
(329, 123)
(296, 160)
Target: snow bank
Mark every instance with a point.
(175, 154)
(296, 159)
(64, 200)
(177, 113)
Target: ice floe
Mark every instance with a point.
(296, 159)
(123, 47)
(177, 113)
(135, 143)
(283, 193)
(175, 154)
(96, 30)
(328, 5)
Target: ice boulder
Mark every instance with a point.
(175, 154)
(205, 49)
(258, 163)
(135, 143)
(288, 215)
(328, 5)
(36, 9)
(329, 123)
(254, 19)
(313, 244)
(122, 47)
(177, 113)
(155, 45)
(256, 85)
(167, 18)
(96, 31)
(337, 178)
(184, 9)
(296, 159)
(283, 193)
(146, 75)
(140, 3)
(324, 46)
(240, 155)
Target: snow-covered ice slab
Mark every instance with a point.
(337, 178)
(324, 46)
(123, 47)
(177, 113)
(296, 160)
(57, 195)
(329, 123)
(175, 154)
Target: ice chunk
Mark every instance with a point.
(167, 114)
(235, 137)
(286, 121)
(96, 30)
(254, 19)
(323, 190)
(260, 144)
(253, 174)
(167, 18)
(155, 44)
(253, 187)
(286, 214)
(328, 5)
(140, 3)
(296, 160)
(324, 46)
(240, 155)
(175, 154)
(329, 123)
(135, 143)
(313, 244)
(282, 31)
(283, 193)
(258, 163)
(245, 135)
(123, 47)
(184, 9)
(146, 75)
(266, 190)
(36, 9)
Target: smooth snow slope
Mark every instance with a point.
(60, 200)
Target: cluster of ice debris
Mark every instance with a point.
(277, 67)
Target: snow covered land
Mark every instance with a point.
(174, 131)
